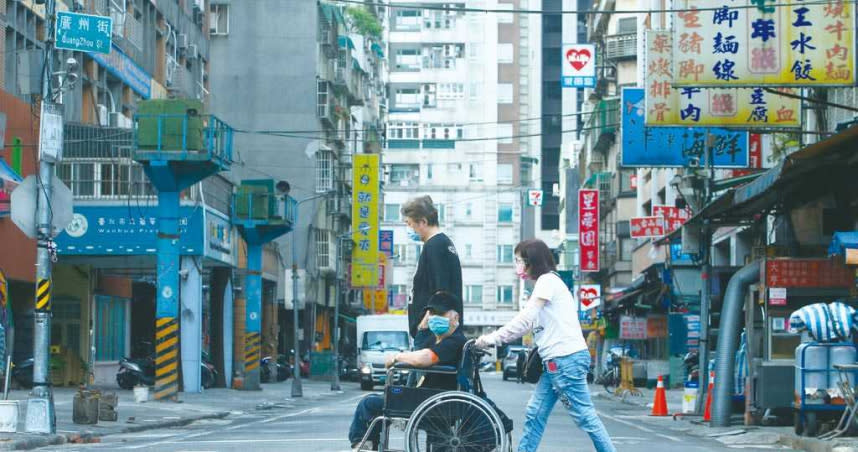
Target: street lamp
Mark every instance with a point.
(297, 389)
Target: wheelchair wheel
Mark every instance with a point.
(455, 422)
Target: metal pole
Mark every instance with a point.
(705, 270)
(42, 419)
(335, 382)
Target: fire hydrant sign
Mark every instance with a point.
(84, 32)
(579, 66)
(588, 229)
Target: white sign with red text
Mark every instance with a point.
(589, 296)
(579, 66)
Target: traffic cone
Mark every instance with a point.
(659, 405)
(707, 412)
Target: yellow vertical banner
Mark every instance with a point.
(365, 199)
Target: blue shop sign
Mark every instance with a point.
(122, 66)
(128, 230)
(218, 237)
(675, 146)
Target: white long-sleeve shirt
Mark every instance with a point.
(552, 315)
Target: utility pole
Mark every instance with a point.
(41, 417)
(335, 381)
(705, 275)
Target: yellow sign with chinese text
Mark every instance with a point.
(365, 198)
(764, 43)
(669, 105)
(375, 300)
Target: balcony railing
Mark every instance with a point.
(250, 205)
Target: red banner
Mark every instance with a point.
(588, 229)
(755, 155)
(808, 273)
(674, 217)
(643, 227)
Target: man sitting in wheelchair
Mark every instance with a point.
(443, 321)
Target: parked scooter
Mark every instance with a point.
(304, 365)
(208, 372)
(22, 372)
(266, 364)
(691, 361)
(141, 371)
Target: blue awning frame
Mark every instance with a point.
(841, 241)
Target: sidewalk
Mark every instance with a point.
(735, 435)
(134, 417)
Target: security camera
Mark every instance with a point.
(72, 65)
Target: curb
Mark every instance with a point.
(84, 437)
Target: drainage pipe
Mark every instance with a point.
(728, 333)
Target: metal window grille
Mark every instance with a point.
(323, 248)
(324, 171)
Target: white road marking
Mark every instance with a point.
(672, 438)
(630, 424)
(237, 426)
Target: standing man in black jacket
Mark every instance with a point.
(437, 269)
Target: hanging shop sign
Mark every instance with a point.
(675, 146)
(589, 296)
(673, 217)
(670, 105)
(365, 221)
(656, 327)
(632, 327)
(646, 227)
(764, 43)
(588, 229)
(579, 66)
(385, 242)
(786, 273)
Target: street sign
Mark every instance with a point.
(644, 227)
(51, 133)
(83, 32)
(534, 198)
(24, 201)
(579, 66)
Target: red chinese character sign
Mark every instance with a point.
(673, 217)
(756, 43)
(588, 229)
(755, 155)
(669, 105)
(645, 227)
(808, 273)
(579, 66)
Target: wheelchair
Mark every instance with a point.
(439, 420)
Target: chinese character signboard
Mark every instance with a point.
(588, 229)
(755, 155)
(83, 32)
(579, 66)
(385, 242)
(675, 146)
(365, 221)
(644, 227)
(534, 198)
(375, 300)
(808, 273)
(656, 327)
(670, 105)
(777, 296)
(673, 217)
(589, 296)
(783, 43)
(632, 327)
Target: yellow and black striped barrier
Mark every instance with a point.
(252, 346)
(166, 358)
(43, 295)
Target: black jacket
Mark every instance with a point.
(437, 269)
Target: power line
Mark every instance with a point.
(463, 9)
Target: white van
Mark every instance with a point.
(379, 337)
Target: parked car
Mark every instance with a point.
(510, 361)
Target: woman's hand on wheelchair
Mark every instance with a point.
(485, 341)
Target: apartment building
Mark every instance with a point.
(461, 86)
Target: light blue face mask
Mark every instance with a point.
(412, 234)
(439, 325)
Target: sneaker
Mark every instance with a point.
(369, 445)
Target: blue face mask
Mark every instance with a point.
(439, 325)
(412, 234)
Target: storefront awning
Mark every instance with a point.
(841, 241)
(377, 49)
(345, 42)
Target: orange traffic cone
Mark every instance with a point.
(707, 412)
(659, 405)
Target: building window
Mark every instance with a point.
(392, 212)
(475, 172)
(505, 213)
(404, 130)
(323, 248)
(404, 175)
(469, 210)
(408, 59)
(322, 104)
(504, 254)
(627, 25)
(407, 97)
(474, 294)
(504, 93)
(324, 171)
(505, 294)
(505, 173)
(504, 133)
(407, 19)
(400, 253)
(429, 95)
(627, 248)
(442, 212)
(219, 20)
(447, 91)
(429, 171)
(110, 327)
(474, 91)
(443, 132)
(469, 250)
(506, 53)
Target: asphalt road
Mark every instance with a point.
(322, 425)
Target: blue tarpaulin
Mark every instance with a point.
(841, 241)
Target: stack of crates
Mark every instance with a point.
(182, 125)
(255, 200)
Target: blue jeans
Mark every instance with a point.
(568, 383)
(368, 409)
